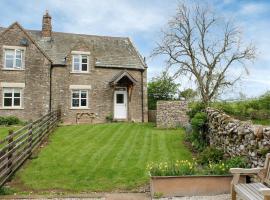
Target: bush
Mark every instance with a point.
(210, 155)
(198, 122)
(198, 138)
(238, 162)
(10, 120)
(194, 108)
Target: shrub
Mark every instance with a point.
(10, 120)
(109, 118)
(196, 140)
(198, 137)
(198, 122)
(237, 161)
(210, 155)
(194, 108)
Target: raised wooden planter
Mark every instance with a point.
(173, 186)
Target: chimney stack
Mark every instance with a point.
(47, 25)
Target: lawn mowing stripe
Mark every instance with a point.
(100, 136)
(127, 148)
(129, 163)
(106, 148)
(163, 145)
(117, 143)
(132, 150)
(145, 147)
(155, 146)
(96, 148)
(88, 144)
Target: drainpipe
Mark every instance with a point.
(142, 95)
(50, 100)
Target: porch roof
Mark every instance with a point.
(123, 74)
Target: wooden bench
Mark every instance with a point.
(251, 191)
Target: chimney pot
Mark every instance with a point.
(47, 25)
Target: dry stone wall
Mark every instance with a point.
(171, 114)
(238, 138)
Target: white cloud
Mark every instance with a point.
(253, 8)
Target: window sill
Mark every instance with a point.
(10, 108)
(80, 108)
(5, 69)
(80, 72)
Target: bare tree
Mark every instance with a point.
(204, 47)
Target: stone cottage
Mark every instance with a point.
(90, 78)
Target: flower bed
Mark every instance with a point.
(188, 178)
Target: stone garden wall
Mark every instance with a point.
(238, 138)
(171, 114)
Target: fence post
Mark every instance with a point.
(10, 148)
(30, 139)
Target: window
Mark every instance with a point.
(14, 59)
(12, 97)
(119, 98)
(80, 63)
(79, 99)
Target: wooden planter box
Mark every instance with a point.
(173, 186)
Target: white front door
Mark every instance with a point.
(120, 104)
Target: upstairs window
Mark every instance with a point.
(80, 63)
(79, 99)
(14, 59)
(12, 97)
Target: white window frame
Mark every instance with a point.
(15, 49)
(80, 56)
(12, 97)
(80, 98)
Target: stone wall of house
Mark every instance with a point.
(171, 114)
(101, 94)
(35, 76)
(238, 138)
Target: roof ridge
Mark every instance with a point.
(84, 34)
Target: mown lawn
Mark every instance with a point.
(101, 157)
(4, 130)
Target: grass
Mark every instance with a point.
(265, 122)
(101, 157)
(4, 130)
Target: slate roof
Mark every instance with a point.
(118, 52)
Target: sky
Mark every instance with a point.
(143, 20)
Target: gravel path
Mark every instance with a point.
(219, 197)
(122, 196)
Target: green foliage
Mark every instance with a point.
(198, 138)
(238, 162)
(185, 167)
(158, 195)
(6, 191)
(255, 109)
(109, 118)
(194, 108)
(264, 151)
(177, 168)
(9, 120)
(161, 88)
(210, 155)
(198, 122)
(188, 94)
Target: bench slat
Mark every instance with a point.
(250, 191)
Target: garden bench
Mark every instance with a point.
(252, 191)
